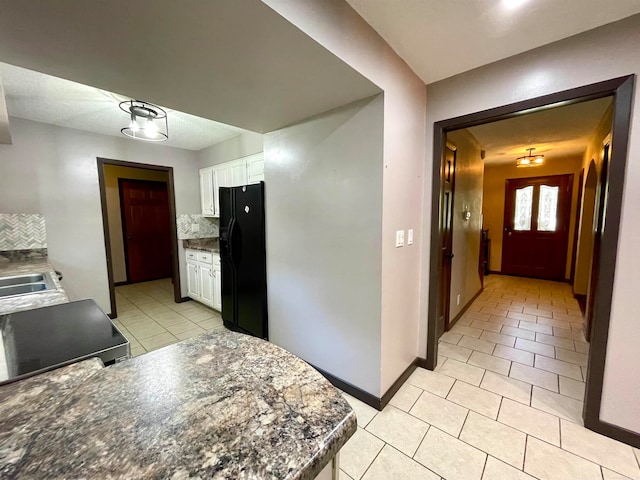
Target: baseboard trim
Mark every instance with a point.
(119, 284)
(376, 402)
(613, 431)
(465, 308)
(393, 389)
(352, 390)
(495, 272)
(185, 299)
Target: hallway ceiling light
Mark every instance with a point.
(147, 121)
(530, 160)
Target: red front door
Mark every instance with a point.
(536, 226)
(146, 229)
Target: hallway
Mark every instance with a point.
(505, 401)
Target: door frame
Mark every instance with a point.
(621, 89)
(175, 261)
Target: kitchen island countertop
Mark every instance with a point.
(221, 405)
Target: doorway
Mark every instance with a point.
(140, 232)
(621, 90)
(537, 211)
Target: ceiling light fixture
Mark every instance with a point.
(146, 121)
(530, 160)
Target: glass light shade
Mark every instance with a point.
(530, 160)
(148, 121)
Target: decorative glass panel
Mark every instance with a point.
(548, 208)
(524, 201)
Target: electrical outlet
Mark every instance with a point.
(400, 238)
(195, 227)
(458, 300)
(410, 236)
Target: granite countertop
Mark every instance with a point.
(204, 244)
(221, 405)
(36, 300)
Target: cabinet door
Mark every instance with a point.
(206, 283)
(206, 191)
(255, 168)
(217, 288)
(238, 173)
(193, 281)
(220, 179)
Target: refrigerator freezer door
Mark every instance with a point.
(228, 275)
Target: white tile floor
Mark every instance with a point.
(150, 319)
(505, 401)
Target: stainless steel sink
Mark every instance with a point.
(21, 280)
(25, 284)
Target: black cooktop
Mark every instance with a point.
(45, 338)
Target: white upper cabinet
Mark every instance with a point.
(206, 192)
(255, 168)
(238, 172)
(242, 171)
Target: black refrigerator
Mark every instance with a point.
(243, 259)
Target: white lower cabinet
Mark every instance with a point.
(193, 282)
(203, 278)
(217, 284)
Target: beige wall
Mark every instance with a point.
(465, 280)
(247, 143)
(601, 54)
(53, 170)
(337, 27)
(111, 175)
(594, 152)
(494, 191)
(323, 186)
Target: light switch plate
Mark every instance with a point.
(195, 227)
(410, 236)
(400, 238)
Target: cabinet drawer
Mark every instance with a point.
(216, 259)
(191, 254)
(205, 257)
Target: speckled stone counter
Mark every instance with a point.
(36, 300)
(204, 244)
(27, 405)
(221, 405)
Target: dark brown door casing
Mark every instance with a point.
(537, 211)
(146, 229)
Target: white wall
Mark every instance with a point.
(607, 52)
(53, 170)
(323, 198)
(247, 143)
(336, 26)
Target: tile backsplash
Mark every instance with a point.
(22, 231)
(208, 227)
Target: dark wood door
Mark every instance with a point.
(446, 230)
(536, 226)
(146, 229)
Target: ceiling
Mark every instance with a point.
(441, 38)
(43, 98)
(555, 132)
(237, 62)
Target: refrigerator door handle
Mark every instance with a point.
(232, 225)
